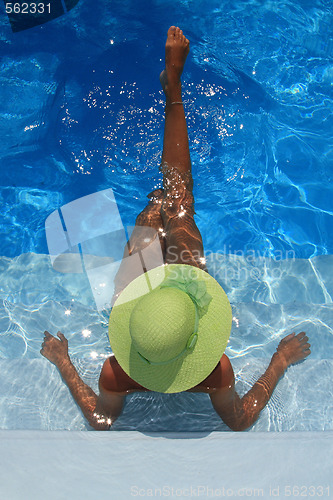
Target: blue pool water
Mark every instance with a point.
(81, 111)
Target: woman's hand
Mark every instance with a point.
(55, 350)
(293, 348)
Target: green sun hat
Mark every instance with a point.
(169, 327)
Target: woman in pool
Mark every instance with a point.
(171, 213)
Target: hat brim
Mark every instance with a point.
(192, 368)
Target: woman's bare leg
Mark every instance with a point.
(170, 212)
(148, 227)
(149, 218)
(183, 238)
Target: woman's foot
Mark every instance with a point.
(151, 214)
(156, 196)
(148, 225)
(177, 48)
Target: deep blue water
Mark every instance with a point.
(81, 110)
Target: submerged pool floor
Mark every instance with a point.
(269, 298)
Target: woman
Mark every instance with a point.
(170, 213)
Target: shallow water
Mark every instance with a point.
(264, 310)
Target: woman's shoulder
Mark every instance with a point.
(114, 379)
(221, 376)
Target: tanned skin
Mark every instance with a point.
(170, 212)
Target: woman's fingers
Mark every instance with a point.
(303, 338)
(50, 341)
(62, 337)
(288, 337)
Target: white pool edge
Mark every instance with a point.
(123, 465)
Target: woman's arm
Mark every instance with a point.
(240, 413)
(100, 411)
